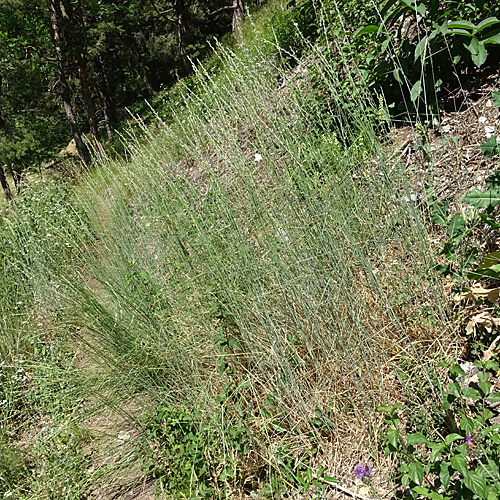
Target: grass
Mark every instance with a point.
(266, 306)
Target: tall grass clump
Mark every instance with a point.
(255, 279)
(42, 437)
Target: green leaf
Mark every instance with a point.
(489, 261)
(234, 344)
(440, 211)
(490, 21)
(415, 91)
(436, 496)
(455, 389)
(444, 473)
(482, 199)
(476, 483)
(420, 49)
(495, 39)
(477, 51)
(457, 227)
(456, 369)
(459, 463)
(489, 220)
(490, 147)
(420, 490)
(416, 438)
(416, 472)
(485, 387)
(468, 425)
(461, 25)
(469, 392)
(366, 29)
(383, 408)
(436, 448)
(494, 397)
(496, 98)
(244, 384)
(450, 438)
(393, 437)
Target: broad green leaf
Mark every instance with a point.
(420, 490)
(393, 437)
(468, 425)
(444, 473)
(490, 21)
(416, 438)
(383, 408)
(416, 472)
(455, 389)
(457, 227)
(459, 463)
(450, 438)
(397, 75)
(436, 448)
(476, 483)
(461, 25)
(433, 495)
(477, 51)
(457, 31)
(482, 199)
(496, 100)
(492, 364)
(234, 344)
(415, 91)
(470, 392)
(366, 29)
(490, 147)
(489, 261)
(420, 49)
(485, 387)
(494, 397)
(495, 39)
(457, 370)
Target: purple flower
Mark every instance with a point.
(362, 470)
(468, 439)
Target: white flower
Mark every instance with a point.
(489, 130)
(258, 157)
(123, 436)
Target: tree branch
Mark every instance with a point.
(227, 7)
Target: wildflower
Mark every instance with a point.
(362, 470)
(258, 157)
(468, 439)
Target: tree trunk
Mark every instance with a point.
(108, 106)
(238, 14)
(89, 103)
(64, 89)
(16, 177)
(2, 121)
(5, 185)
(181, 29)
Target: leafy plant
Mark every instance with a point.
(463, 463)
(411, 37)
